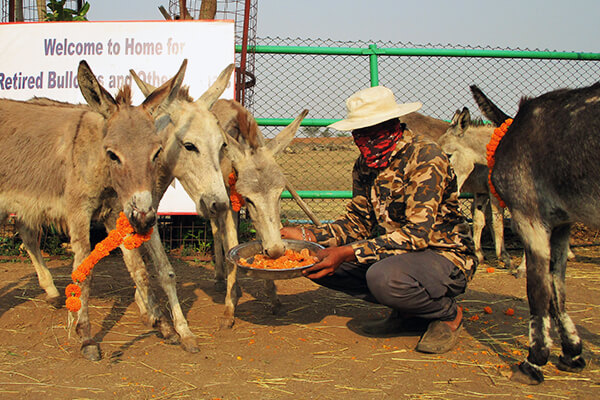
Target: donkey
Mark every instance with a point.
(465, 141)
(546, 171)
(259, 180)
(192, 144)
(425, 125)
(66, 165)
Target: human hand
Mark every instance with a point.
(290, 232)
(297, 234)
(329, 260)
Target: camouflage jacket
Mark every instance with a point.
(410, 205)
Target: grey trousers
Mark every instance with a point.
(420, 284)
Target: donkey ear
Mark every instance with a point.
(284, 138)
(464, 118)
(233, 149)
(164, 95)
(216, 89)
(95, 95)
(454, 120)
(146, 88)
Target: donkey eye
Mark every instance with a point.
(113, 156)
(156, 155)
(190, 147)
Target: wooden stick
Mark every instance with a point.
(41, 9)
(208, 9)
(165, 13)
(302, 204)
(183, 11)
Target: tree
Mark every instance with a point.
(60, 13)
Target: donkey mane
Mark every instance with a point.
(238, 123)
(124, 96)
(44, 101)
(184, 94)
(478, 122)
(248, 126)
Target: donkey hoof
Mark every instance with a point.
(526, 374)
(190, 344)
(226, 322)
(576, 364)
(55, 301)
(220, 286)
(91, 351)
(277, 308)
(145, 320)
(166, 332)
(518, 273)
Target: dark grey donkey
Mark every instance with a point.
(547, 172)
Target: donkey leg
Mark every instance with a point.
(30, 240)
(536, 240)
(498, 228)
(168, 281)
(478, 211)
(79, 230)
(521, 270)
(133, 261)
(271, 290)
(219, 252)
(571, 359)
(233, 290)
(150, 312)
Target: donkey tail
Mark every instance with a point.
(488, 109)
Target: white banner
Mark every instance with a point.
(41, 59)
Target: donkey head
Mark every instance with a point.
(450, 141)
(131, 142)
(464, 142)
(193, 145)
(260, 181)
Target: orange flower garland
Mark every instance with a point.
(122, 234)
(237, 201)
(498, 134)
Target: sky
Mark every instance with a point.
(516, 24)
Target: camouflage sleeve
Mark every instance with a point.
(355, 225)
(426, 178)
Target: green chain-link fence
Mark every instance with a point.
(294, 74)
(297, 74)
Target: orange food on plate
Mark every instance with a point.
(290, 259)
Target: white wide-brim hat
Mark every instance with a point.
(372, 106)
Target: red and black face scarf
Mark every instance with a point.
(377, 142)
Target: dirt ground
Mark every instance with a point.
(313, 351)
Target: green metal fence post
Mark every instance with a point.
(374, 67)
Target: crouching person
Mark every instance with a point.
(403, 242)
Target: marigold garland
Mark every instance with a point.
(498, 134)
(123, 233)
(237, 201)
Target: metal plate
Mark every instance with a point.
(250, 249)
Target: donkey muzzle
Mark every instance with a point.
(275, 250)
(141, 214)
(212, 206)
